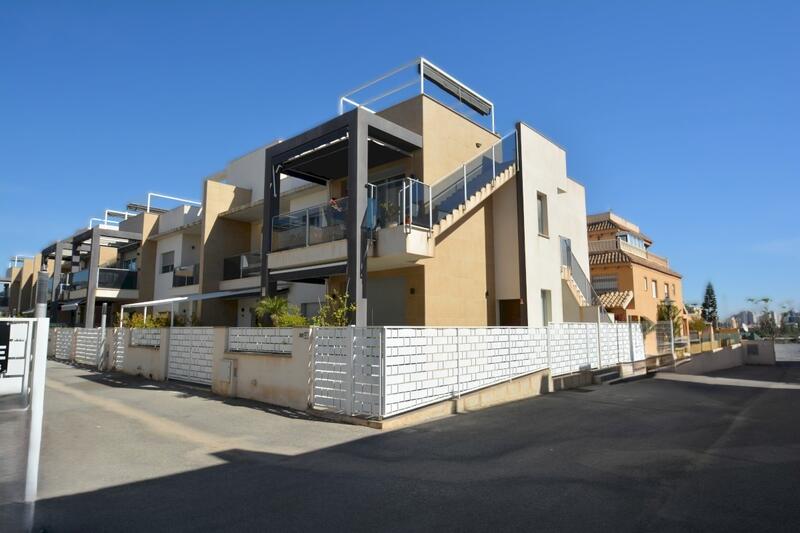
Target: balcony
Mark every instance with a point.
(185, 276)
(314, 225)
(111, 283)
(117, 278)
(241, 271)
(241, 266)
(608, 245)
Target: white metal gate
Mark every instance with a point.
(88, 346)
(65, 339)
(190, 354)
(17, 353)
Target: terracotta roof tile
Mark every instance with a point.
(619, 299)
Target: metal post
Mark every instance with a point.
(494, 163)
(599, 344)
(41, 294)
(307, 226)
(630, 339)
(102, 343)
(671, 340)
(37, 381)
(465, 186)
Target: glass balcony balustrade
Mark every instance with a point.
(241, 266)
(313, 225)
(186, 275)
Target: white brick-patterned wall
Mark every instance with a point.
(425, 365)
(190, 354)
(88, 345)
(65, 343)
(260, 340)
(146, 337)
(414, 367)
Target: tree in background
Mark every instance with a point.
(765, 325)
(698, 325)
(710, 307)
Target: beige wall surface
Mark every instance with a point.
(144, 360)
(449, 140)
(275, 379)
(506, 241)
(459, 279)
(146, 257)
(220, 238)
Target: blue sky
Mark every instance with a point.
(679, 116)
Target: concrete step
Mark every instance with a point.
(605, 376)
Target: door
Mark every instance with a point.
(510, 312)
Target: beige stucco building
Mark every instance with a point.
(631, 280)
(417, 208)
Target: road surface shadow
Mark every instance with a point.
(688, 457)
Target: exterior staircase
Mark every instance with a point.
(566, 275)
(463, 209)
(460, 192)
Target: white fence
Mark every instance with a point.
(65, 343)
(260, 340)
(787, 351)
(383, 371)
(191, 354)
(146, 337)
(376, 371)
(88, 346)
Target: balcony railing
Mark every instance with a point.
(186, 275)
(399, 202)
(241, 266)
(78, 280)
(117, 278)
(313, 225)
(107, 278)
(460, 185)
(607, 245)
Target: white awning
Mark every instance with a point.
(193, 297)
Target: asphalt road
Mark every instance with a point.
(122, 454)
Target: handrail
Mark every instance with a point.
(582, 281)
(467, 162)
(472, 171)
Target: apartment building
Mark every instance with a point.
(631, 280)
(107, 263)
(416, 208)
(409, 201)
(19, 282)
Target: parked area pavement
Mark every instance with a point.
(124, 454)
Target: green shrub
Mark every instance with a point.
(335, 311)
(278, 312)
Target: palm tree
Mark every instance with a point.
(270, 307)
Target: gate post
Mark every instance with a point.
(351, 372)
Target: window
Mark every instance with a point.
(666, 290)
(541, 207)
(167, 262)
(603, 284)
(645, 283)
(547, 308)
(655, 289)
